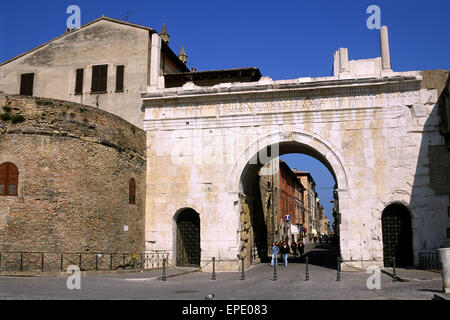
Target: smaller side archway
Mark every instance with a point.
(187, 237)
(397, 235)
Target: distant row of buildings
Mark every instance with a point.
(291, 205)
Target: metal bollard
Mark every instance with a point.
(394, 275)
(213, 274)
(242, 272)
(164, 278)
(307, 272)
(275, 275)
(338, 277)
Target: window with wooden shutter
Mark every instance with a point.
(26, 84)
(9, 179)
(99, 79)
(79, 81)
(132, 193)
(119, 78)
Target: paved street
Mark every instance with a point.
(258, 284)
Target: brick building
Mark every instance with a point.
(72, 179)
(310, 203)
(291, 203)
(282, 196)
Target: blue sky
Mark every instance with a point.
(285, 39)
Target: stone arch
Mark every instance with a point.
(289, 142)
(315, 146)
(399, 196)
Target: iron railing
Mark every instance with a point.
(429, 260)
(54, 262)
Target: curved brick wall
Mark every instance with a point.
(75, 164)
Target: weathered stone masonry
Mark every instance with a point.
(75, 163)
(378, 135)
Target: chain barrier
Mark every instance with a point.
(42, 261)
(177, 268)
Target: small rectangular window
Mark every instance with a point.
(79, 81)
(26, 84)
(448, 233)
(119, 78)
(132, 191)
(99, 79)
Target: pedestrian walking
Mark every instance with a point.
(301, 248)
(275, 250)
(280, 244)
(294, 248)
(285, 253)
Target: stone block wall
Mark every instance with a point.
(373, 135)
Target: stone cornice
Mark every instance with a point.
(269, 90)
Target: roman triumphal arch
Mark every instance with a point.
(373, 134)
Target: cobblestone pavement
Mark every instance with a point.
(258, 284)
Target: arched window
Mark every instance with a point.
(9, 179)
(132, 193)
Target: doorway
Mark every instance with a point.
(188, 238)
(397, 236)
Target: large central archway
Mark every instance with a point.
(293, 142)
(246, 173)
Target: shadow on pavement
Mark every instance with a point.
(430, 290)
(323, 255)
